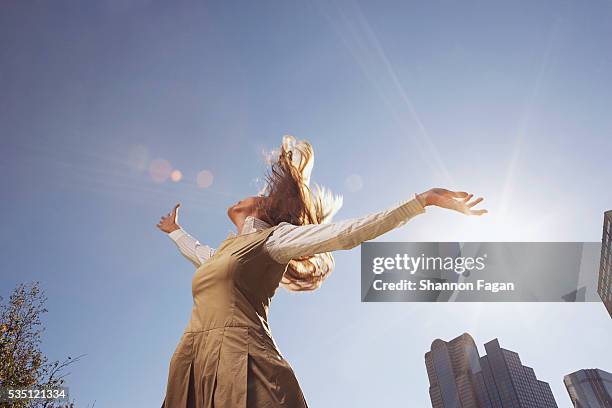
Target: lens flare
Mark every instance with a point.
(160, 170)
(204, 179)
(176, 175)
(353, 183)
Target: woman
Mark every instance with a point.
(227, 356)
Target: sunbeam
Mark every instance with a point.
(523, 126)
(360, 39)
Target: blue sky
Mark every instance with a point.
(509, 100)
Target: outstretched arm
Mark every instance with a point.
(290, 241)
(190, 247)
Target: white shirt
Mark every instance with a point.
(290, 241)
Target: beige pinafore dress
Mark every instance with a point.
(227, 357)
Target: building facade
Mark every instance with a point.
(460, 378)
(450, 366)
(591, 388)
(604, 283)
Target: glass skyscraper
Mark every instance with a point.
(591, 388)
(460, 378)
(604, 284)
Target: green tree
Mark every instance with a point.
(22, 363)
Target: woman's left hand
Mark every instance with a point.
(453, 200)
(169, 222)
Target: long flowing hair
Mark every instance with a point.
(289, 198)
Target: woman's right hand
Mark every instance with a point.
(452, 200)
(169, 222)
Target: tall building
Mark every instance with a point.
(450, 367)
(460, 378)
(591, 388)
(512, 384)
(604, 284)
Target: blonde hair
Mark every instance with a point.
(289, 198)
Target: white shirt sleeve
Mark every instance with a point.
(290, 241)
(191, 247)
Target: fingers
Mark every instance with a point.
(473, 203)
(460, 201)
(468, 198)
(478, 212)
(468, 205)
(175, 212)
(169, 218)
